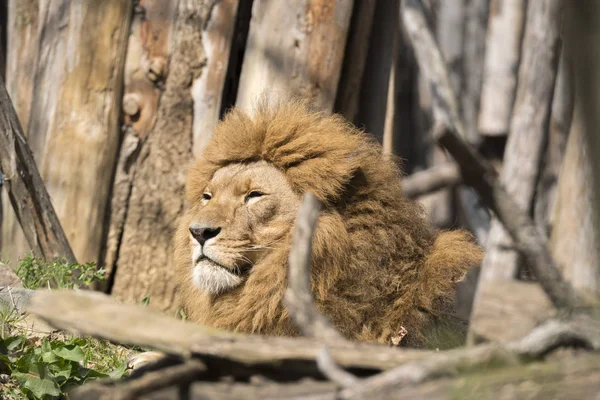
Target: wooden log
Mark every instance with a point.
(99, 315)
(476, 171)
(26, 190)
(507, 310)
(560, 126)
(476, 22)
(295, 48)
(574, 239)
(157, 200)
(450, 27)
(381, 58)
(528, 130)
(21, 63)
(569, 376)
(74, 125)
(207, 90)
(355, 60)
(291, 359)
(502, 55)
(148, 43)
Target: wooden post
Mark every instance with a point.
(576, 232)
(295, 48)
(21, 62)
(503, 49)
(528, 134)
(26, 189)
(160, 153)
(74, 127)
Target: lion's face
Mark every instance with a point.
(245, 211)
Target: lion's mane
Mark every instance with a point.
(377, 265)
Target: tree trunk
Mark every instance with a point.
(505, 28)
(155, 202)
(73, 124)
(295, 48)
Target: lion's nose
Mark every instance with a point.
(202, 233)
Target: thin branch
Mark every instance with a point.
(177, 375)
(298, 297)
(333, 371)
(431, 180)
(580, 331)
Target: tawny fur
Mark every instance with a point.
(378, 265)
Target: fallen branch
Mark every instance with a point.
(285, 359)
(431, 180)
(26, 189)
(579, 331)
(180, 375)
(99, 315)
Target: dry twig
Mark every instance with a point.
(298, 298)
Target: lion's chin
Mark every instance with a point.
(212, 278)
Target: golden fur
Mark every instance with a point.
(377, 264)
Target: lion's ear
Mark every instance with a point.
(326, 175)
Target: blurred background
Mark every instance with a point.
(117, 97)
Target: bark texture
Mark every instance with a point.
(23, 29)
(355, 59)
(26, 189)
(526, 143)
(505, 30)
(575, 235)
(474, 48)
(145, 72)
(295, 48)
(143, 264)
(73, 125)
(528, 129)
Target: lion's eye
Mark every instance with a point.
(252, 194)
(207, 196)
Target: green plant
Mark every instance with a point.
(36, 273)
(46, 368)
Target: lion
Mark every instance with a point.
(378, 267)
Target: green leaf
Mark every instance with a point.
(118, 372)
(71, 353)
(49, 357)
(11, 343)
(38, 381)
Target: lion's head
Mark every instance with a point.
(377, 264)
(245, 211)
